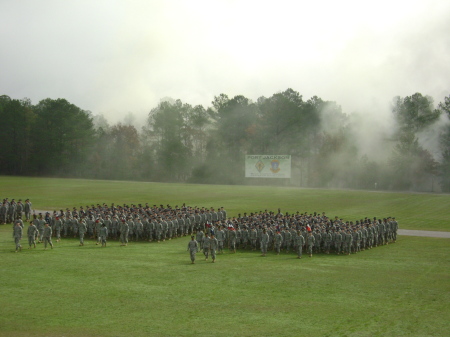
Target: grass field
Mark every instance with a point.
(412, 210)
(151, 289)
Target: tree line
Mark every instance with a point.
(184, 143)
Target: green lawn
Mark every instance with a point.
(151, 289)
(412, 210)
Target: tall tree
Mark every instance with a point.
(167, 128)
(62, 137)
(17, 120)
(445, 146)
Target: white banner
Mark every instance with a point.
(267, 166)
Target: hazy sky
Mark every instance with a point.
(115, 57)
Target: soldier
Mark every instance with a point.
(47, 234)
(200, 235)
(213, 244)
(158, 229)
(232, 239)
(253, 237)
(17, 234)
(338, 242)
(220, 236)
(326, 237)
(205, 245)
(124, 233)
(11, 211)
(394, 227)
(244, 237)
(82, 229)
(299, 244)
(310, 243)
(287, 240)
(3, 212)
(103, 234)
(348, 242)
(192, 248)
(19, 209)
(138, 229)
(264, 242)
(97, 225)
(31, 232)
(58, 226)
(75, 225)
(278, 242)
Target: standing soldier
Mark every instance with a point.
(82, 229)
(200, 235)
(3, 212)
(338, 242)
(310, 243)
(244, 237)
(47, 236)
(97, 226)
(58, 226)
(103, 234)
(31, 232)
(220, 236)
(278, 242)
(19, 209)
(124, 233)
(192, 248)
(41, 227)
(158, 229)
(138, 228)
(232, 239)
(11, 211)
(205, 245)
(253, 237)
(326, 237)
(287, 239)
(299, 244)
(348, 242)
(213, 244)
(17, 233)
(394, 226)
(264, 242)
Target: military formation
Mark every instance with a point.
(211, 230)
(298, 233)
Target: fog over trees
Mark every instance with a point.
(180, 142)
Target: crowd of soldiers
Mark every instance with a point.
(315, 233)
(11, 210)
(124, 223)
(264, 230)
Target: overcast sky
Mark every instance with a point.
(116, 57)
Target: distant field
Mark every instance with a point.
(151, 289)
(412, 210)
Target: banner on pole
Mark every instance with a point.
(267, 166)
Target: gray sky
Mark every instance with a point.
(115, 57)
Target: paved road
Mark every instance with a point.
(431, 234)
